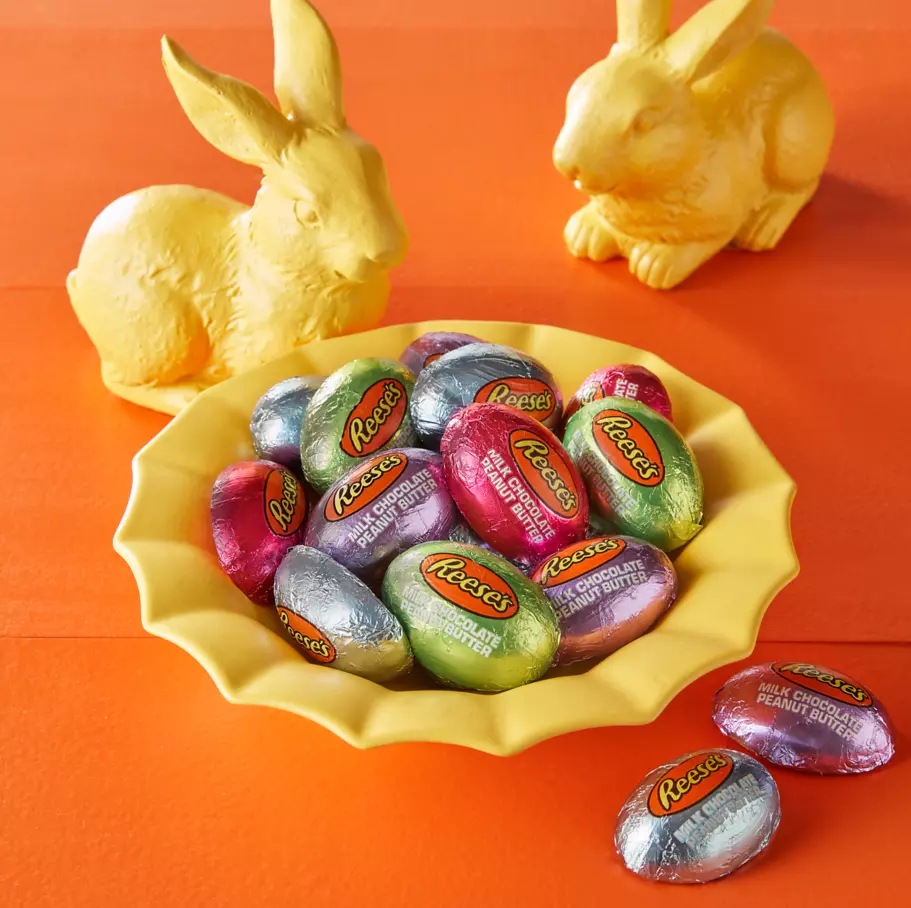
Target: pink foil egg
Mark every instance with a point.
(606, 591)
(807, 717)
(428, 348)
(623, 380)
(258, 510)
(513, 482)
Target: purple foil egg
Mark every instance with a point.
(428, 348)
(624, 380)
(258, 510)
(394, 501)
(606, 591)
(807, 717)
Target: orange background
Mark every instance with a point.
(125, 779)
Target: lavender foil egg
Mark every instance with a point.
(396, 500)
(698, 818)
(428, 348)
(805, 716)
(606, 591)
(277, 418)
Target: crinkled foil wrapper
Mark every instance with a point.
(723, 826)
(248, 550)
(323, 458)
(453, 381)
(368, 639)
(623, 380)
(415, 507)
(278, 416)
(607, 605)
(461, 647)
(785, 714)
(668, 514)
(428, 348)
(494, 495)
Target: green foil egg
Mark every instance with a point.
(474, 620)
(641, 475)
(359, 410)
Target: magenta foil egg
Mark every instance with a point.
(258, 510)
(513, 482)
(428, 348)
(606, 591)
(623, 380)
(805, 716)
(396, 500)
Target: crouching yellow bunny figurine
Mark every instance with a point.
(179, 288)
(715, 134)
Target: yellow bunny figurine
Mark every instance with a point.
(179, 288)
(717, 133)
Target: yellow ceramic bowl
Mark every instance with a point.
(728, 574)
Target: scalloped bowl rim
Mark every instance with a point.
(729, 574)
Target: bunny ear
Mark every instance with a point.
(308, 75)
(641, 24)
(713, 35)
(235, 117)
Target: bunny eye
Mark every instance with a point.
(306, 214)
(647, 119)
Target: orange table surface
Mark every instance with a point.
(125, 779)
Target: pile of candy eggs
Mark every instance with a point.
(442, 509)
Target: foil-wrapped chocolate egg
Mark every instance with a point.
(258, 510)
(359, 410)
(395, 500)
(335, 620)
(623, 380)
(804, 716)
(641, 475)
(474, 620)
(278, 417)
(606, 592)
(428, 348)
(698, 818)
(482, 373)
(513, 482)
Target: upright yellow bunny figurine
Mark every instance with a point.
(686, 142)
(179, 287)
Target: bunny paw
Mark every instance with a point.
(662, 267)
(588, 236)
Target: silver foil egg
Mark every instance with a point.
(698, 818)
(278, 416)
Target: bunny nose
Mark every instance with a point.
(563, 160)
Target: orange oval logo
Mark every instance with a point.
(527, 395)
(432, 359)
(315, 644)
(469, 585)
(546, 471)
(585, 395)
(284, 502)
(687, 783)
(365, 486)
(376, 418)
(830, 684)
(578, 559)
(629, 447)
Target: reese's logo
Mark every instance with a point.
(687, 783)
(316, 645)
(284, 503)
(365, 486)
(469, 585)
(629, 447)
(376, 418)
(528, 395)
(578, 559)
(830, 684)
(546, 470)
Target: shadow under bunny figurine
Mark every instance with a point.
(179, 288)
(686, 142)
